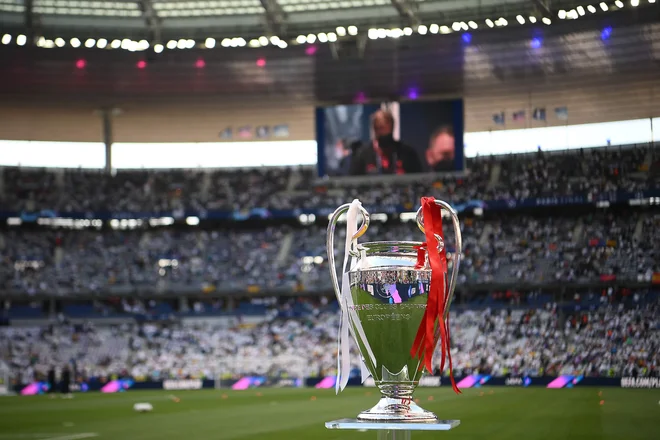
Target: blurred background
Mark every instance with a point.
(167, 169)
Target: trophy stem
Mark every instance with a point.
(391, 434)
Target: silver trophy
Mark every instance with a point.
(387, 301)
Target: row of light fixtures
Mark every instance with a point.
(341, 31)
(581, 11)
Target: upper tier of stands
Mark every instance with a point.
(590, 172)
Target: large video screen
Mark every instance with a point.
(390, 138)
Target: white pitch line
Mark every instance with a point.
(17, 436)
(74, 436)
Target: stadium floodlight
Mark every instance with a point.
(580, 11)
(22, 39)
(520, 19)
(434, 28)
(532, 19)
(143, 45)
(382, 33)
(181, 44)
(90, 42)
(422, 30)
(604, 6)
(240, 42)
(634, 3)
(373, 34)
(59, 42)
(561, 14)
(341, 31)
(619, 3)
(395, 33)
(546, 20)
(126, 44)
(116, 44)
(158, 48)
(407, 31)
(192, 221)
(44, 43)
(254, 43)
(301, 39)
(263, 40)
(456, 26)
(189, 44)
(572, 14)
(74, 42)
(6, 39)
(472, 24)
(592, 9)
(282, 44)
(275, 40)
(102, 43)
(332, 37)
(352, 30)
(464, 26)
(445, 30)
(323, 38)
(502, 22)
(489, 23)
(651, 1)
(311, 38)
(171, 44)
(209, 43)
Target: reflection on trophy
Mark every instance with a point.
(394, 298)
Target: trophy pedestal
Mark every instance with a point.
(393, 410)
(392, 430)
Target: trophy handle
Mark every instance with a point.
(330, 242)
(459, 247)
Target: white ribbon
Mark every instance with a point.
(347, 308)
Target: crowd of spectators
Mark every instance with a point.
(609, 338)
(511, 249)
(74, 261)
(525, 249)
(589, 172)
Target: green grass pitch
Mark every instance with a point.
(495, 413)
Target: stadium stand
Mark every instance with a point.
(592, 171)
(507, 308)
(507, 249)
(614, 333)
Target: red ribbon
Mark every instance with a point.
(423, 346)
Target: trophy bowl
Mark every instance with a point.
(389, 285)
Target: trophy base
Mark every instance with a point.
(397, 410)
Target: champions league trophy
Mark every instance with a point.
(394, 299)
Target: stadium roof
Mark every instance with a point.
(604, 44)
(160, 20)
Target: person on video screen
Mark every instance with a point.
(384, 155)
(442, 149)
